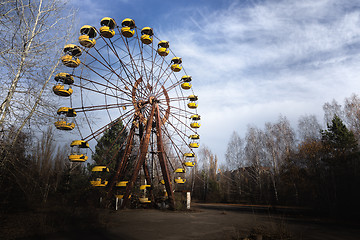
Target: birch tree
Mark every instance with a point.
(254, 152)
(279, 142)
(32, 34)
(308, 128)
(235, 152)
(332, 109)
(352, 114)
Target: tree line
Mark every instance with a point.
(312, 167)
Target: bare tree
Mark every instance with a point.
(352, 114)
(207, 171)
(234, 155)
(32, 33)
(254, 152)
(309, 128)
(279, 142)
(332, 109)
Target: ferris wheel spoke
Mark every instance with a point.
(130, 52)
(175, 116)
(103, 85)
(160, 77)
(153, 64)
(143, 63)
(99, 92)
(144, 89)
(91, 69)
(125, 41)
(174, 145)
(177, 113)
(100, 107)
(108, 66)
(182, 110)
(169, 88)
(181, 121)
(159, 72)
(96, 133)
(112, 47)
(177, 99)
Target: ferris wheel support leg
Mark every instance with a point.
(124, 159)
(162, 160)
(141, 157)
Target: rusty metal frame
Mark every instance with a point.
(162, 159)
(141, 157)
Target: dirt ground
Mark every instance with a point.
(210, 222)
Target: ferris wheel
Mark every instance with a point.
(126, 74)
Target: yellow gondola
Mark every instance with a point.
(179, 170)
(194, 145)
(65, 78)
(144, 200)
(189, 164)
(127, 27)
(194, 136)
(69, 112)
(180, 180)
(88, 33)
(78, 158)
(186, 82)
(186, 86)
(80, 144)
(107, 27)
(78, 151)
(72, 52)
(63, 125)
(122, 183)
(146, 35)
(61, 91)
(189, 155)
(195, 117)
(193, 98)
(99, 182)
(192, 105)
(176, 61)
(194, 125)
(143, 187)
(186, 78)
(99, 171)
(163, 48)
(70, 61)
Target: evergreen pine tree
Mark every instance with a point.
(341, 158)
(339, 142)
(109, 148)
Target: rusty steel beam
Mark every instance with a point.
(162, 158)
(144, 144)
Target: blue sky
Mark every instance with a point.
(252, 60)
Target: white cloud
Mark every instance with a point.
(251, 64)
